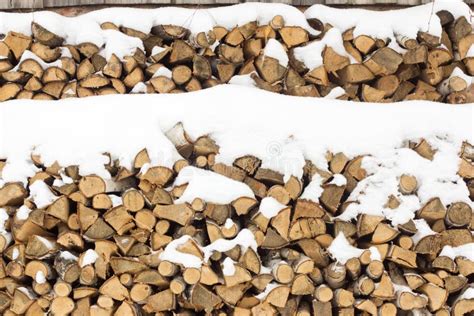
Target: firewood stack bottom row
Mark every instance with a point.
(174, 60)
(91, 246)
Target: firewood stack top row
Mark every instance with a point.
(310, 58)
(240, 239)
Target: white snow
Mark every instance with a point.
(388, 24)
(245, 239)
(23, 212)
(65, 179)
(335, 93)
(27, 291)
(436, 178)
(312, 54)
(228, 268)
(86, 27)
(470, 52)
(375, 254)
(466, 251)
(283, 155)
(275, 49)
(68, 256)
(209, 186)
(401, 288)
(422, 230)
(157, 50)
(3, 218)
(459, 73)
(229, 223)
(90, 257)
(338, 180)
(443, 87)
(341, 251)
(119, 44)
(65, 52)
(15, 253)
(243, 80)
(116, 200)
(467, 294)
(41, 194)
(40, 277)
(48, 244)
(172, 254)
(281, 131)
(30, 55)
(313, 190)
(163, 72)
(270, 207)
(3, 231)
(268, 289)
(139, 88)
(382, 25)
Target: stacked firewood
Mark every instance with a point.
(84, 245)
(44, 66)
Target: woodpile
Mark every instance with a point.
(173, 60)
(124, 246)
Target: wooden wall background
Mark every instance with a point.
(45, 4)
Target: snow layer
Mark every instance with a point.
(172, 254)
(30, 55)
(245, 239)
(268, 289)
(163, 71)
(467, 294)
(436, 178)
(229, 223)
(243, 80)
(15, 253)
(383, 25)
(119, 44)
(311, 54)
(90, 257)
(388, 24)
(228, 268)
(68, 256)
(375, 254)
(23, 213)
(40, 278)
(342, 251)
(274, 49)
(41, 194)
(45, 242)
(283, 139)
(339, 180)
(116, 200)
(270, 207)
(139, 88)
(86, 27)
(466, 251)
(313, 190)
(210, 187)
(3, 231)
(422, 230)
(335, 93)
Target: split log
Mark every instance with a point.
(45, 37)
(355, 73)
(293, 36)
